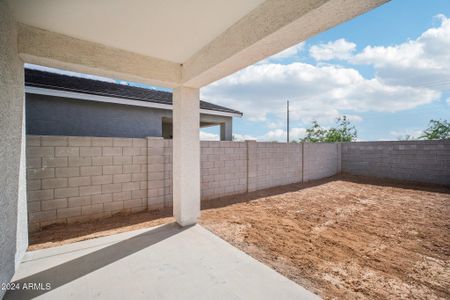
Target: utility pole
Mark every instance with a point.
(287, 123)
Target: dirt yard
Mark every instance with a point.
(344, 238)
(347, 240)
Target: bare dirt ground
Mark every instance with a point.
(358, 239)
(344, 237)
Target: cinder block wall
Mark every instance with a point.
(80, 178)
(273, 164)
(73, 179)
(421, 161)
(321, 160)
(223, 169)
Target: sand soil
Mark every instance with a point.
(343, 238)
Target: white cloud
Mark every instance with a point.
(280, 135)
(339, 49)
(315, 92)
(354, 118)
(274, 125)
(399, 134)
(206, 136)
(243, 137)
(275, 135)
(423, 62)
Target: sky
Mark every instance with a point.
(387, 70)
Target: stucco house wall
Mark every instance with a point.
(13, 205)
(51, 115)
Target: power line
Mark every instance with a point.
(287, 123)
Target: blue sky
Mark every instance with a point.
(388, 70)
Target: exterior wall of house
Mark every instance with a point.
(50, 115)
(421, 161)
(226, 125)
(13, 206)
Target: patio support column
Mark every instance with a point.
(186, 155)
(226, 131)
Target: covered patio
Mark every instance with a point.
(182, 45)
(166, 262)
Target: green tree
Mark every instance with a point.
(437, 130)
(343, 132)
(315, 133)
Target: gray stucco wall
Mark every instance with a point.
(48, 115)
(13, 227)
(421, 161)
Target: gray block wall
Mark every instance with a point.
(80, 178)
(321, 160)
(421, 161)
(223, 169)
(273, 164)
(73, 179)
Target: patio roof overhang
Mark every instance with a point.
(170, 43)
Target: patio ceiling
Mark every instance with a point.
(148, 27)
(170, 43)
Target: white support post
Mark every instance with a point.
(186, 155)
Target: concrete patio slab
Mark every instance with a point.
(166, 262)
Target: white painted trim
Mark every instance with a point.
(108, 99)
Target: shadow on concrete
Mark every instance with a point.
(66, 272)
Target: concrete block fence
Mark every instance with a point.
(74, 179)
(420, 161)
